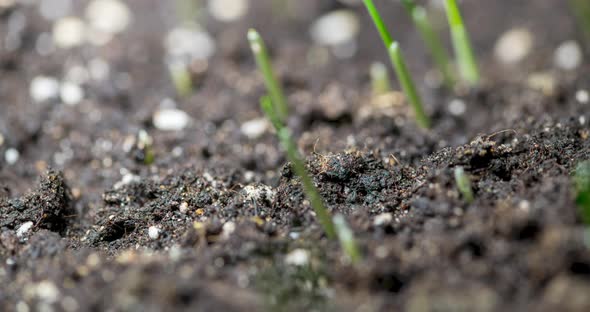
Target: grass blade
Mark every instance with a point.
(312, 193)
(264, 65)
(432, 41)
(464, 184)
(461, 43)
(582, 184)
(581, 11)
(408, 86)
(347, 240)
(385, 35)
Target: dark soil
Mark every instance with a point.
(229, 209)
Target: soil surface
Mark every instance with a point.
(219, 222)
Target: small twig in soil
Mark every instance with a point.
(273, 86)
(464, 184)
(347, 240)
(582, 184)
(432, 40)
(399, 64)
(461, 43)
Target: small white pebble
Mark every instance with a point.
(524, 205)
(228, 229)
(71, 93)
(228, 10)
(382, 219)
(24, 229)
(47, 291)
(255, 128)
(582, 120)
(43, 88)
(11, 156)
(153, 232)
(335, 28)
(170, 119)
(183, 208)
(457, 107)
(582, 96)
(127, 178)
(297, 257)
(69, 32)
(187, 44)
(108, 16)
(514, 45)
(568, 55)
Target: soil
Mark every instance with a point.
(228, 212)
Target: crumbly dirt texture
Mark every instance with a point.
(219, 222)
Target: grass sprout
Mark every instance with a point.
(273, 86)
(181, 78)
(461, 43)
(399, 64)
(581, 11)
(407, 83)
(312, 193)
(432, 40)
(582, 185)
(379, 79)
(347, 240)
(464, 184)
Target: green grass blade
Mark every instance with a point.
(408, 86)
(581, 11)
(582, 184)
(464, 184)
(272, 84)
(461, 43)
(269, 111)
(347, 240)
(312, 193)
(432, 41)
(385, 35)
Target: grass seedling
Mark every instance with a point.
(582, 184)
(274, 88)
(181, 78)
(432, 41)
(312, 193)
(464, 184)
(379, 79)
(581, 11)
(346, 237)
(461, 43)
(399, 65)
(298, 165)
(408, 86)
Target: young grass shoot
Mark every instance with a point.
(465, 57)
(464, 184)
(582, 185)
(432, 41)
(581, 10)
(273, 86)
(379, 79)
(400, 66)
(346, 237)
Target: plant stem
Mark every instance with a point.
(401, 69)
(464, 184)
(582, 184)
(385, 35)
(379, 79)
(432, 41)
(312, 193)
(581, 11)
(347, 240)
(461, 43)
(272, 84)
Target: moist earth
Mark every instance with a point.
(219, 221)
